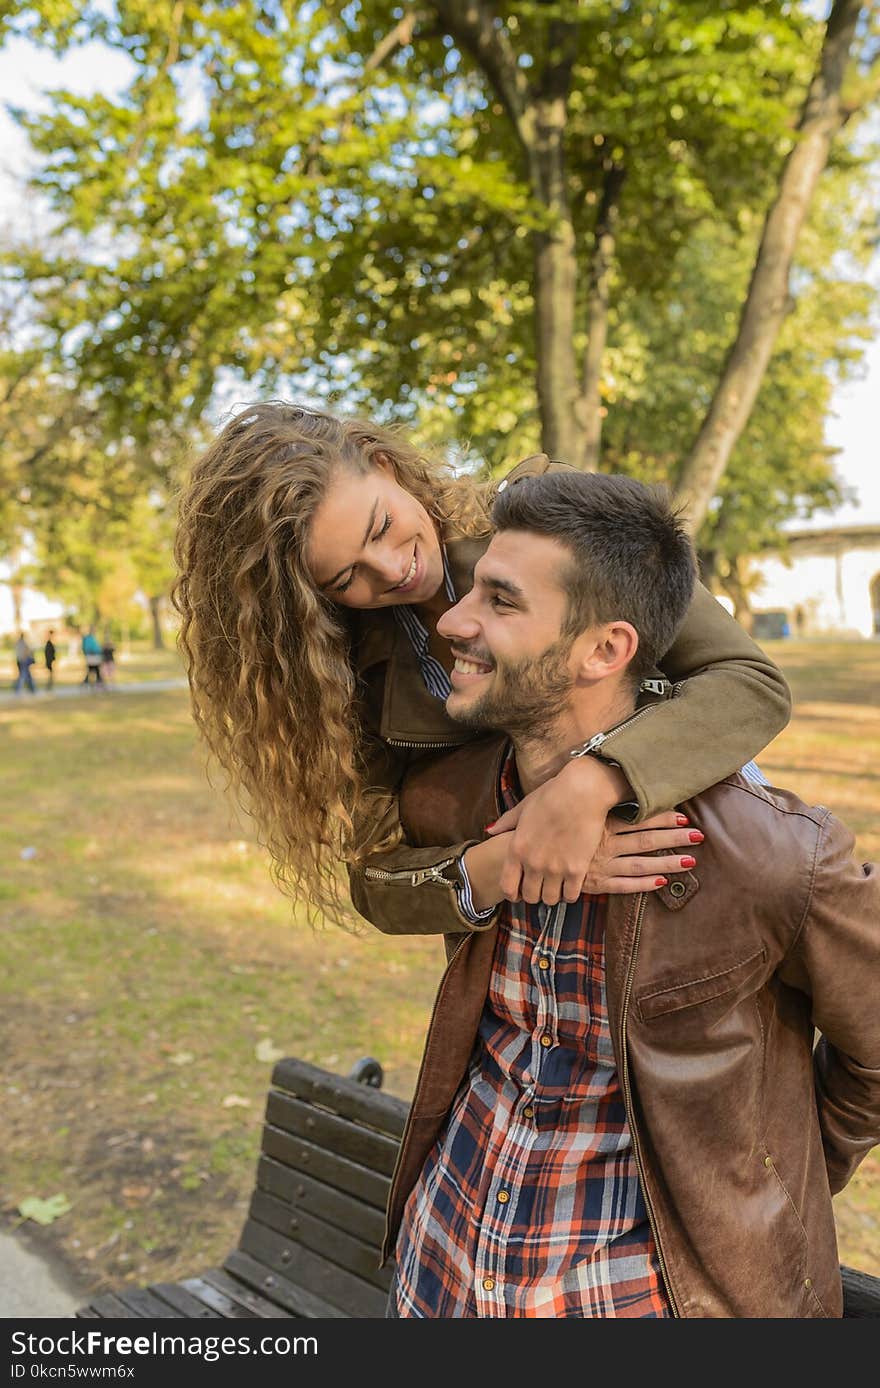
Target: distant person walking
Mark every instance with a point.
(50, 656)
(24, 659)
(108, 658)
(92, 652)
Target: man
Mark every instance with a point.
(49, 655)
(620, 1112)
(24, 659)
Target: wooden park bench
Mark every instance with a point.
(310, 1246)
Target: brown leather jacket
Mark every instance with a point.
(730, 701)
(715, 984)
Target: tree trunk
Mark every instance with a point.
(736, 586)
(597, 316)
(155, 610)
(555, 291)
(768, 297)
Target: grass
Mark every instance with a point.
(152, 968)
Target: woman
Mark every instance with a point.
(315, 555)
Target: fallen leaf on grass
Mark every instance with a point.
(236, 1101)
(182, 1058)
(136, 1193)
(267, 1052)
(44, 1211)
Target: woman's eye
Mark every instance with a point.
(343, 587)
(385, 524)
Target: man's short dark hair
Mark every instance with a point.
(631, 557)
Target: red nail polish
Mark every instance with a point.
(682, 819)
(660, 881)
(695, 836)
(490, 826)
(689, 862)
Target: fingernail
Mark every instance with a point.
(682, 819)
(660, 881)
(689, 862)
(490, 826)
(695, 836)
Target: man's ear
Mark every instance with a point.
(605, 651)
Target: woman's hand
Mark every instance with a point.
(562, 841)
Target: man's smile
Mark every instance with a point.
(467, 669)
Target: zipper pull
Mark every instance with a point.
(432, 874)
(595, 742)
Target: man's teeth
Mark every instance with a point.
(468, 667)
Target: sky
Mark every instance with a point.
(25, 72)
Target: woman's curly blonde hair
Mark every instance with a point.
(272, 688)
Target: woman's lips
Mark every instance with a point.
(417, 575)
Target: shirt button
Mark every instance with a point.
(488, 1284)
(546, 1040)
(543, 962)
(504, 1196)
(808, 1282)
(528, 1112)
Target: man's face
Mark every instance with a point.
(513, 669)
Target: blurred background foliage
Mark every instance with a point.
(504, 227)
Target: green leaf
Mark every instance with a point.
(44, 1211)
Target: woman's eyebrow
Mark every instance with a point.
(370, 523)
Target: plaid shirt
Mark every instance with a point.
(530, 1202)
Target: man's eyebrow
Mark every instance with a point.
(370, 523)
(501, 585)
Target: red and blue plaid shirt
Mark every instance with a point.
(530, 1202)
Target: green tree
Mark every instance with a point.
(459, 211)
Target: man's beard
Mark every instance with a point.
(526, 698)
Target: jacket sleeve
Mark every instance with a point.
(729, 702)
(836, 960)
(400, 890)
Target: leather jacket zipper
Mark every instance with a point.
(414, 877)
(598, 740)
(628, 1104)
(428, 746)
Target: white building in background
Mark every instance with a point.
(828, 584)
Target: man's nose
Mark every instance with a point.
(458, 623)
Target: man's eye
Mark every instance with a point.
(497, 601)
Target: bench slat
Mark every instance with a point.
(332, 1170)
(218, 1300)
(333, 1244)
(328, 1130)
(255, 1305)
(297, 1302)
(861, 1295)
(109, 1307)
(349, 1098)
(302, 1192)
(183, 1303)
(144, 1304)
(307, 1269)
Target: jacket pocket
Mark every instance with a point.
(676, 996)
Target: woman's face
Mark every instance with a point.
(372, 544)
